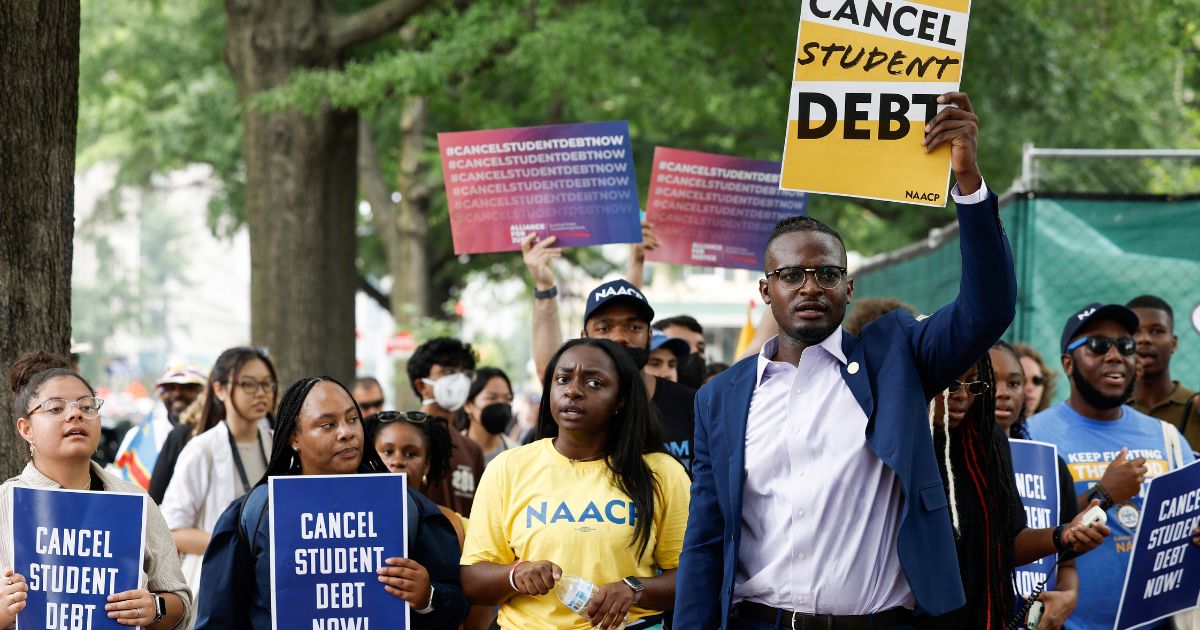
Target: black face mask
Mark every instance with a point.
(496, 417)
(691, 370)
(640, 356)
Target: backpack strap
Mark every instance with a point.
(253, 502)
(1171, 441)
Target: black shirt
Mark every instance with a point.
(677, 406)
(168, 455)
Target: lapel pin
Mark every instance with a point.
(852, 368)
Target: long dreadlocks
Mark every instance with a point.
(978, 446)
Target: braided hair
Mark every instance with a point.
(284, 460)
(980, 447)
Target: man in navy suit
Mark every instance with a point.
(817, 501)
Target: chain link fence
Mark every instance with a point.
(1086, 226)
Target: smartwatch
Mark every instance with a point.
(160, 608)
(637, 587)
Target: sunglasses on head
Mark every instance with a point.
(385, 417)
(973, 387)
(1101, 345)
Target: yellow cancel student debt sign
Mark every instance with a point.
(867, 76)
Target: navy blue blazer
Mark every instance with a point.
(904, 363)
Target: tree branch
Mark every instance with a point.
(374, 293)
(367, 24)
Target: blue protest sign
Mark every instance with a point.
(1164, 569)
(329, 535)
(1035, 465)
(75, 548)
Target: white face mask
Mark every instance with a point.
(450, 391)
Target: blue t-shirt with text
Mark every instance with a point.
(1088, 446)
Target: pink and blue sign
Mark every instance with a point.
(574, 182)
(715, 210)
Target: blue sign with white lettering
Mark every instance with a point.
(329, 536)
(75, 548)
(1035, 465)
(1164, 570)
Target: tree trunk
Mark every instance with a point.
(402, 226)
(300, 194)
(39, 104)
(413, 217)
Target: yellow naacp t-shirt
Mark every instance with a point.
(534, 504)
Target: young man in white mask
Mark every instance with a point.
(439, 374)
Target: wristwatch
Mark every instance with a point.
(547, 294)
(160, 608)
(636, 585)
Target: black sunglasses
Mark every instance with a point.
(1101, 345)
(386, 417)
(1039, 380)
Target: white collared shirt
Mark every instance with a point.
(820, 510)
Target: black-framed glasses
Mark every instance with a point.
(385, 417)
(827, 277)
(251, 387)
(88, 406)
(1101, 345)
(974, 388)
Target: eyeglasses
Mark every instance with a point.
(88, 406)
(1101, 345)
(827, 277)
(1038, 380)
(251, 388)
(385, 417)
(974, 388)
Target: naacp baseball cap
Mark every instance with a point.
(677, 346)
(617, 291)
(1097, 312)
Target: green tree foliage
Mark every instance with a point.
(702, 75)
(155, 95)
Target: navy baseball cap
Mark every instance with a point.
(617, 291)
(1096, 312)
(677, 346)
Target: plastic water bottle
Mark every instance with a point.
(574, 592)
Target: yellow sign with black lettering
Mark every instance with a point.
(866, 79)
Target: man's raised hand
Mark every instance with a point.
(539, 260)
(958, 126)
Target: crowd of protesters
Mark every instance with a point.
(849, 472)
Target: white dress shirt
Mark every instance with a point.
(820, 510)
